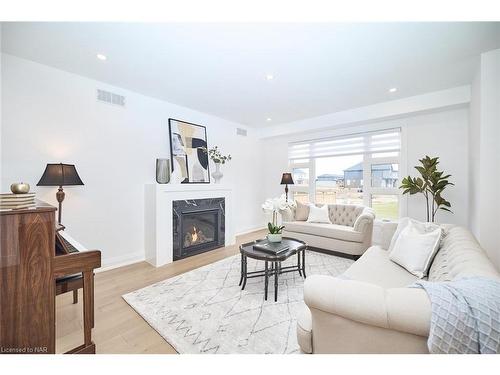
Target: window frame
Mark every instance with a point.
(368, 161)
(312, 173)
(370, 190)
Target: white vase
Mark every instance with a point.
(274, 237)
(217, 175)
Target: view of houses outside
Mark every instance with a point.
(340, 180)
(334, 182)
(385, 176)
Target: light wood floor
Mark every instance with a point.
(118, 328)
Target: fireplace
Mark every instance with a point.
(198, 226)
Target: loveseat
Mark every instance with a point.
(371, 309)
(350, 230)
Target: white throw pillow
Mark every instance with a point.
(424, 227)
(318, 214)
(415, 248)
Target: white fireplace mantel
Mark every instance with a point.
(158, 215)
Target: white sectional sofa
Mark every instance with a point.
(371, 309)
(350, 230)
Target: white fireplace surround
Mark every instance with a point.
(158, 219)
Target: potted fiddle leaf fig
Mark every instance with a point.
(430, 184)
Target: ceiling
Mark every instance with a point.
(221, 68)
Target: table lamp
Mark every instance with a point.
(60, 175)
(286, 180)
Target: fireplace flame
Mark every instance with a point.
(194, 235)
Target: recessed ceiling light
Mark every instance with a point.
(269, 77)
(269, 119)
(102, 57)
(393, 89)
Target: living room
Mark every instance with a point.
(250, 188)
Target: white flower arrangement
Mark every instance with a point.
(274, 206)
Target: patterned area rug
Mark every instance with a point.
(205, 311)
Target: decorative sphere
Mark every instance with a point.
(20, 188)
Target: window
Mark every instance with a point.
(302, 179)
(386, 206)
(384, 175)
(356, 169)
(300, 176)
(339, 179)
(301, 196)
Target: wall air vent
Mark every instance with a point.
(242, 132)
(110, 98)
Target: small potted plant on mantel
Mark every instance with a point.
(215, 155)
(274, 206)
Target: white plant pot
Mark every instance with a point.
(274, 237)
(217, 175)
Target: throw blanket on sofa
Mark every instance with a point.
(465, 315)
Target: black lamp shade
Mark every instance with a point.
(60, 175)
(286, 179)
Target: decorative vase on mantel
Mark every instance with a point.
(162, 171)
(217, 174)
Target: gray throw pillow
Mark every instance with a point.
(301, 212)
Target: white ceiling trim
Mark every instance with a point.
(438, 100)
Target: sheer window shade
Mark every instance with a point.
(374, 142)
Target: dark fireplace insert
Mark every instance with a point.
(198, 226)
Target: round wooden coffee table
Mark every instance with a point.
(272, 262)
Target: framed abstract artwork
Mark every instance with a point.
(187, 144)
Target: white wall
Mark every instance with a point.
(474, 152)
(485, 140)
(490, 156)
(53, 116)
(442, 134)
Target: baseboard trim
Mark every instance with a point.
(254, 229)
(118, 262)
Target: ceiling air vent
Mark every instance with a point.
(242, 132)
(110, 98)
